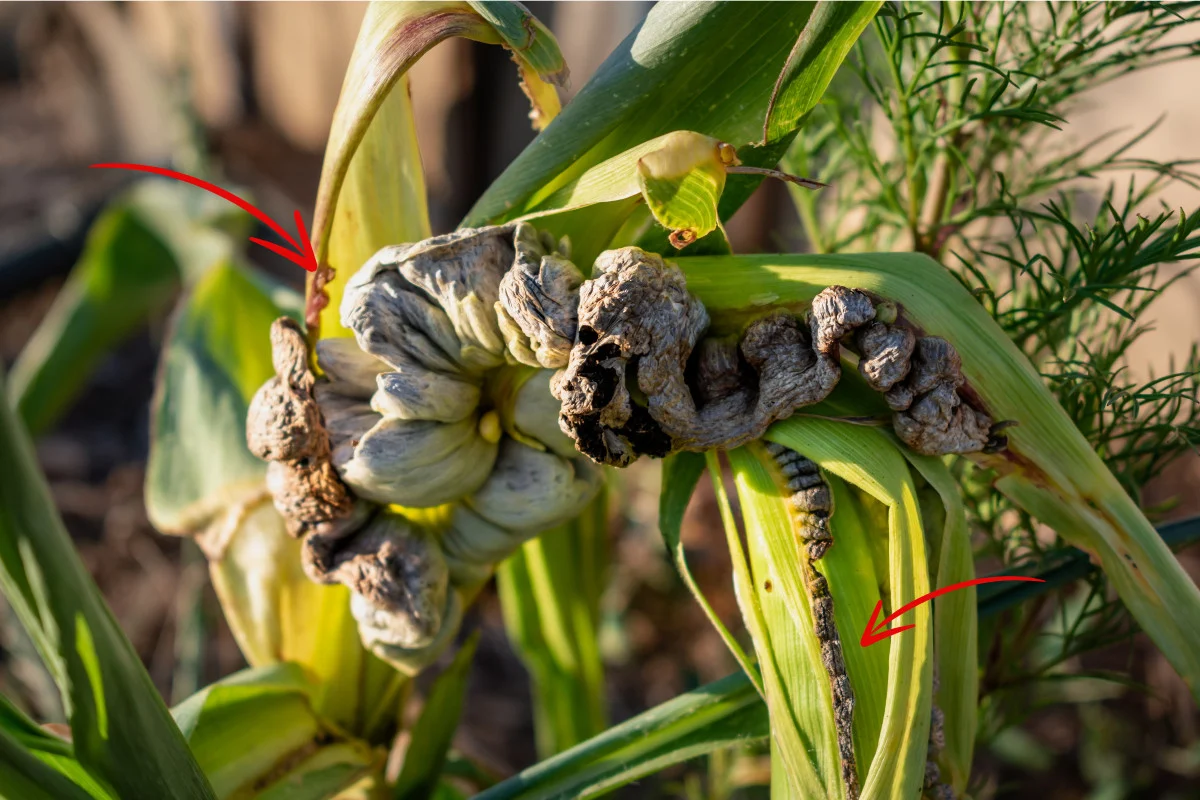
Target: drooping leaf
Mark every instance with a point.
(722, 714)
(145, 244)
(1065, 567)
(434, 730)
(682, 184)
(372, 190)
(117, 718)
(535, 51)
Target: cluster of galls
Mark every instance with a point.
(482, 365)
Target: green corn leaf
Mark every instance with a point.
(653, 84)
(830, 33)
(141, 249)
(956, 624)
(797, 690)
(866, 458)
(1049, 469)
(434, 731)
(722, 714)
(256, 731)
(372, 189)
(51, 750)
(117, 718)
(23, 775)
(858, 528)
(757, 66)
(680, 474)
(550, 596)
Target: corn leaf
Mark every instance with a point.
(797, 690)
(722, 714)
(866, 458)
(1049, 469)
(956, 625)
(23, 775)
(434, 730)
(1065, 567)
(682, 186)
(680, 474)
(857, 527)
(830, 33)
(536, 52)
(372, 189)
(247, 726)
(141, 249)
(117, 718)
(51, 750)
(653, 84)
(550, 596)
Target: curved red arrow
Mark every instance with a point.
(303, 255)
(878, 632)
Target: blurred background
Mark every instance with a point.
(250, 88)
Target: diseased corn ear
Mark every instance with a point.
(212, 487)
(1047, 467)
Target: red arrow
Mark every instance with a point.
(304, 256)
(878, 632)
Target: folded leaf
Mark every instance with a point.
(257, 729)
(372, 190)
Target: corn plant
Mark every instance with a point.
(358, 463)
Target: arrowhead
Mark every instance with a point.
(878, 632)
(302, 255)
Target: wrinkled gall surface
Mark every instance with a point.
(485, 376)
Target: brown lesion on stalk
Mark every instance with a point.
(810, 505)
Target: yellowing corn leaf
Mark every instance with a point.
(682, 182)
(372, 190)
